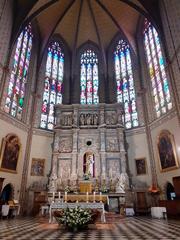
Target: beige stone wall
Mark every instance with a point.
(170, 14)
(40, 148)
(14, 178)
(172, 126)
(138, 148)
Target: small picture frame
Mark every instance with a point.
(10, 152)
(140, 166)
(166, 149)
(37, 167)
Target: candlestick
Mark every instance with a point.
(53, 196)
(59, 195)
(110, 173)
(87, 197)
(100, 196)
(65, 197)
(94, 197)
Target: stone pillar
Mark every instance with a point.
(101, 116)
(54, 166)
(103, 151)
(75, 137)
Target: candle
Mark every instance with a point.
(87, 197)
(53, 195)
(94, 197)
(59, 195)
(65, 197)
(100, 196)
(110, 173)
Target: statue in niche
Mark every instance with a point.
(95, 119)
(88, 119)
(121, 183)
(65, 145)
(82, 119)
(88, 165)
(111, 118)
(69, 120)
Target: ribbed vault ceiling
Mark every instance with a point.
(78, 21)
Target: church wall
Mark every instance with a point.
(41, 149)
(170, 13)
(138, 148)
(172, 126)
(14, 178)
(6, 21)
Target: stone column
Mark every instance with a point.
(103, 151)
(54, 166)
(75, 137)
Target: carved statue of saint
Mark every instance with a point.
(82, 119)
(95, 119)
(88, 119)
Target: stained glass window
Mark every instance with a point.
(52, 84)
(89, 79)
(17, 84)
(156, 65)
(125, 84)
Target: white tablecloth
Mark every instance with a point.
(129, 211)
(158, 212)
(56, 206)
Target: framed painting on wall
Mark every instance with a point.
(10, 151)
(167, 151)
(37, 167)
(140, 166)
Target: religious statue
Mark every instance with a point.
(121, 184)
(82, 119)
(89, 165)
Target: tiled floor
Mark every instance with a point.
(126, 228)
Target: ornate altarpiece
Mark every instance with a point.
(83, 130)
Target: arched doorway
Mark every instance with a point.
(7, 193)
(89, 164)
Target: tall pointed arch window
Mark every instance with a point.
(89, 79)
(156, 65)
(52, 84)
(14, 102)
(125, 83)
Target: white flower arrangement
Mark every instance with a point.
(75, 218)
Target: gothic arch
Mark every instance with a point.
(75, 93)
(41, 75)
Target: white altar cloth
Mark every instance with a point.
(158, 212)
(129, 211)
(56, 205)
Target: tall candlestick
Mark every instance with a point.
(65, 197)
(110, 173)
(100, 197)
(94, 197)
(53, 196)
(87, 197)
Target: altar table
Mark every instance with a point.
(158, 212)
(56, 206)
